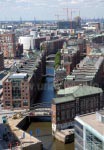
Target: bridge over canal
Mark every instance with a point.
(39, 109)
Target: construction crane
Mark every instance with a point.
(57, 15)
(71, 13)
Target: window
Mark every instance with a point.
(58, 107)
(62, 106)
(62, 115)
(92, 142)
(16, 104)
(25, 102)
(7, 103)
(16, 89)
(58, 118)
(68, 114)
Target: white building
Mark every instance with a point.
(89, 131)
(33, 33)
(27, 41)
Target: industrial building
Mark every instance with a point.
(20, 88)
(74, 101)
(88, 72)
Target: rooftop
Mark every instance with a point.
(90, 121)
(71, 93)
(81, 90)
(18, 76)
(86, 69)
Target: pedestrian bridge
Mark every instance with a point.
(40, 109)
(50, 57)
(41, 105)
(48, 75)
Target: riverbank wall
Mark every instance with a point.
(27, 141)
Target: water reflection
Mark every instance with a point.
(45, 136)
(46, 94)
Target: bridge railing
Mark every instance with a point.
(40, 106)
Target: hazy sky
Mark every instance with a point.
(47, 9)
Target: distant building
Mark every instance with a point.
(89, 133)
(19, 49)
(60, 74)
(8, 44)
(98, 39)
(52, 46)
(74, 101)
(1, 61)
(27, 41)
(38, 41)
(70, 58)
(66, 25)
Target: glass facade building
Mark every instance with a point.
(89, 133)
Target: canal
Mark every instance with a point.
(42, 130)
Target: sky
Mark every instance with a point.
(49, 9)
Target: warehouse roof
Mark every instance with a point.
(69, 94)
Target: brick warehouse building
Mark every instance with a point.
(1, 61)
(16, 91)
(52, 46)
(70, 57)
(89, 71)
(74, 101)
(20, 88)
(8, 45)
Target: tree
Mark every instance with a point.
(57, 60)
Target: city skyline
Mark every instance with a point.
(47, 10)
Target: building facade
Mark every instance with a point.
(8, 45)
(23, 85)
(16, 91)
(52, 46)
(1, 61)
(89, 71)
(89, 131)
(74, 101)
(19, 49)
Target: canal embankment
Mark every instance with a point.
(27, 141)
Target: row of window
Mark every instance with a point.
(66, 114)
(17, 103)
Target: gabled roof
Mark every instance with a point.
(63, 99)
(81, 90)
(71, 93)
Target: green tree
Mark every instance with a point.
(57, 60)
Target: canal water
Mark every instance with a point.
(42, 130)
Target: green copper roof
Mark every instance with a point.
(63, 99)
(81, 90)
(69, 94)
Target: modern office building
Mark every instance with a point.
(89, 131)
(74, 101)
(66, 25)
